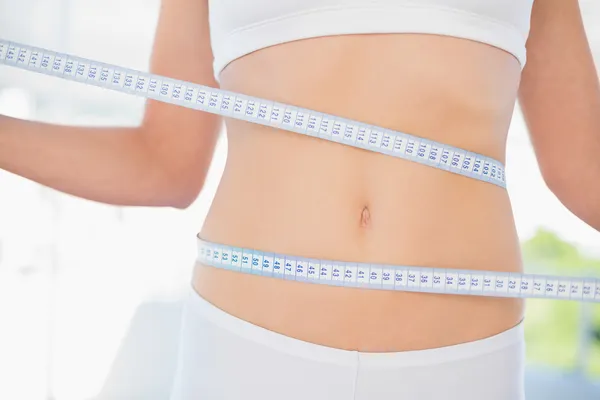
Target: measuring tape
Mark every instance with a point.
(328, 127)
(402, 278)
(256, 110)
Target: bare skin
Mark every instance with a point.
(307, 197)
(292, 194)
(329, 201)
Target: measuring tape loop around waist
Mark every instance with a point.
(400, 278)
(255, 110)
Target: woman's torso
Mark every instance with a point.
(293, 194)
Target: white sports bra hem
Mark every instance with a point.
(332, 21)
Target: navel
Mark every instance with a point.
(365, 217)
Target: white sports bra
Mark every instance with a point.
(239, 27)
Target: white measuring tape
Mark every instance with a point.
(256, 110)
(403, 278)
(328, 127)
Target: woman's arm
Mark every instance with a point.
(560, 99)
(163, 162)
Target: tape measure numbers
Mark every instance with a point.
(256, 110)
(328, 127)
(402, 278)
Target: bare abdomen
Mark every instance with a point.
(287, 193)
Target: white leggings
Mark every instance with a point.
(223, 357)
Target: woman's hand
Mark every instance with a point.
(163, 162)
(560, 99)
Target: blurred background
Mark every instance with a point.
(76, 320)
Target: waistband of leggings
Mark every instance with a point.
(198, 307)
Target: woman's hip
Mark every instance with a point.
(225, 357)
(356, 318)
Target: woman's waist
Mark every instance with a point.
(331, 201)
(355, 318)
(316, 199)
(472, 245)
